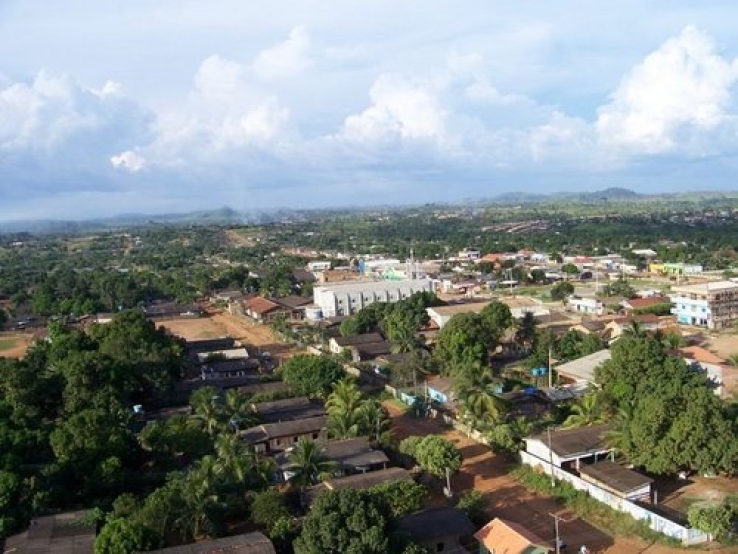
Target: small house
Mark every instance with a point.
(569, 448)
(443, 529)
(277, 437)
(261, 309)
(351, 456)
(501, 536)
(72, 532)
(249, 543)
(287, 409)
(618, 480)
(582, 370)
(361, 481)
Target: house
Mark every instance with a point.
(569, 448)
(247, 384)
(529, 404)
(277, 437)
(440, 389)
(349, 298)
(293, 306)
(351, 456)
(582, 370)
(616, 327)
(261, 310)
(618, 480)
(303, 276)
(171, 310)
(590, 327)
(239, 353)
(370, 351)
(336, 345)
(71, 532)
(521, 305)
(288, 409)
(441, 315)
(592, 306)
(501, 536)
(361, 481)
(712, 305)
(629, 305)
(249, 543)
(193, 347)
(318, 265)
(724, 376)
(227, 296)
(443, 529)
(226, 369)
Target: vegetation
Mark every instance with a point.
(311, 375)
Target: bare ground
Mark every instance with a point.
(506, 498)
(15, 345)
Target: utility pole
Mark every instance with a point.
(550, 457)
(550, 373)
(558, 518)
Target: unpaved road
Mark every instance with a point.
(506, 498)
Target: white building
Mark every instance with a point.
(338, 299)
(318, 265)
(585, 305)
(712, 305)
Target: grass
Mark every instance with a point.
(584, 506)
(8, 344)
(399, 404)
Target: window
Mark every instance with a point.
(295, 439)
(440, 547)
(315, 436)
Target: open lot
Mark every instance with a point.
(14, 345)
(724, 345)
(221, 324)
(506, 498)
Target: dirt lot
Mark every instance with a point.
(486, 472)
(14, 345)
(724, 344)
(221, 324)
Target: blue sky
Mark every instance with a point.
(154, 106)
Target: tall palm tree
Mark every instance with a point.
(405, 339)
(344, 425)
(203, 505)
(585, 411)
(237, 409)
(374, 420)
(478, 403)
(618, 438)
(634, 329)
(309, 464)
(207, 409)
(345, 398)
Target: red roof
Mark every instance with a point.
(259, 305)
(699, 354)
(639, 303)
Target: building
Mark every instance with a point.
(591, 306)
(350, 456)
(569, 448)
(348, 298)
(501, 536)
(360, 481)
(723, 376)
(629, 305)
(442, 529)
(277, 437)
(71, 532)
(261, 310)
(238, 353)
(712, 305)
(226, 369)
(582, 370)
(287, 409)
(441, 315)
(249, 543)
(337, 345)
(618, 480)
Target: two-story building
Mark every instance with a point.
(339, 299)
(592, 306)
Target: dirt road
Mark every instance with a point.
(506, 498)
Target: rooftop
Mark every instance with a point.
(699, 354)
(249, 543)
(354, 340)
(358, 286)
(268, 431)
(581, 440)
(582, 369)
(357, 452)
(260, 305)
(436, 523)
(615, 476)
(228, 354)
(703, 288)
(67, 533)
(461, 308)
(508, 537)
(288, 409)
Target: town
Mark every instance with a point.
(433, 379)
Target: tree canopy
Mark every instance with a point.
(311, 375)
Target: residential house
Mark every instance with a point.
(226, 369)
(337, 345)
(630, 305)
(521, 305)
(293, 306)
(718, 371)
(712, 305)
(569, 448)
(261, 310)
(247, 384)
(227, 296)
(441, 315)
(440, 389)
(592, 306)
(277, 437)
(288, 409)
(196, 346)
(442, 529)
(238, 353)
(502, 536)
(582, 370)
(172, 310)
(70, 532)
(531, 404)
(249, 543)
(360, 481)
(351, 457)
(617, 327)
(590, 327)
(617, 480)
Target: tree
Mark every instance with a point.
(374, 421)
(125, 536)
(268, 507)
(621, 287)
(561, 291)
(585, 411)
(472, 503)
(463, 340)
(525, 333)
(570, 269)
(479, 405)
(498, 319)
(311, 375)
(717, 520)
(308, 464)
(207, 409)
(343, 410)
(400, 497)
(344, 520)
(434, 454)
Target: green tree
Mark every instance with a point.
(586, 411)
(463, 340)
(125, 536)
(472, 503)
(308, 464)
(434, 454)
(311, 375)
(207, 409)
(570, 269)
(561, 291)
(498, 319)
(718, 520)
(479, 405)
(344, 521)
(268, 507)
(400, 497)
(525, 332)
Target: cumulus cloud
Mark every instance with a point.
(129, 161)
(682, 89)
(286, 59)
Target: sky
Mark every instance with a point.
(160, 106)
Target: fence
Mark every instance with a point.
(655, 521)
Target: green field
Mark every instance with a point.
(7, 344)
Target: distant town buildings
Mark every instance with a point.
(340, 299)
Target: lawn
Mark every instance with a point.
(7, 344)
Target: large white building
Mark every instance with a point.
(339, 299)
(712, 305)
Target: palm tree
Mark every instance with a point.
(344, 425)
(206, 406)
(618, 438)
(634, 329)
(309, 464)
(237, 409)
(585, 411)
(345, 398)
(203, 505)
(404, 340)
(672, 341)
(478, 403)
(374, 420)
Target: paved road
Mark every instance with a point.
(506, 498)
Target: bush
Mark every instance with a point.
(268, 507)
(472, 503)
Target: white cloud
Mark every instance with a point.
(286, 59)
(399, 109)
(681, 89)
(128, 161)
